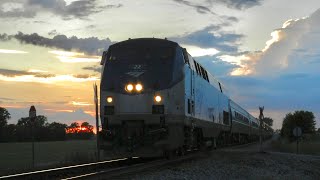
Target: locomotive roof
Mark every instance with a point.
(146, 42)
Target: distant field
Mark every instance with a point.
(311, 147)
(18, 156)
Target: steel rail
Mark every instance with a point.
(63, 168)
(127, 170)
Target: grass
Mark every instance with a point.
(310, 146)
(18, 156)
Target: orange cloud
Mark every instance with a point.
(59, 110)
(80, 103)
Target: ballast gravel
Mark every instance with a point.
(246, 163)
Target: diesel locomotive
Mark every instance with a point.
(156, 99)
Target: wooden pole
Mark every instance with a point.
(32, 131)
(260, 118)
(97, 119)
(297, 145)
(32, 116)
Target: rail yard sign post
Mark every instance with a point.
(32, 116)
(297, 132)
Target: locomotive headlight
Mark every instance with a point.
(157, 98)
(129, 87)
(109, 99)
(139, 87)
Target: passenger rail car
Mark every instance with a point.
(155, 98)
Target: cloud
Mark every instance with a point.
(283, 76)
(91, 45)
(80, 9)
(91, 26)
(197, 52)
(11, 73)
(210, 37)
(82, 76)
(75, 103)
(204, 7)
(41, 77)
(200, 8)
(293, 47)
(11, 51)
(15, 8)
(75, 57)
(94, 68)
(53, 33)
(40, 22)
(236, 4)
(6, 99)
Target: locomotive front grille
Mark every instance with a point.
(157, 109)
(108, 110)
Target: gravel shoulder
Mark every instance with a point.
(242, 163)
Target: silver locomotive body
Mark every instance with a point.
(155, 98)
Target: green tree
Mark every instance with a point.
(38, 127)
(74, 125)
(268, 121)
(40, 121)
(4, 117)
(57, 131)
(303, 119)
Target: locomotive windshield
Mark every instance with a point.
(151, 64)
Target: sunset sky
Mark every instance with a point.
(266, 52)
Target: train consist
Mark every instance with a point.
(156, 99)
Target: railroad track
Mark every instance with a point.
(69, 171)
(152, 165)
(134, 169)
(111, 168)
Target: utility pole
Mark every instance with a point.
(32, 116)
(95, 89)
(261, 117)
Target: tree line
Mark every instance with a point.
(40, 129)
(303, 119)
